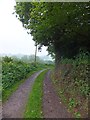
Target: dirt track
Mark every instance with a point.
(15, 106)
(52, 106)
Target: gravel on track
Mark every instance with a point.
(14, 107)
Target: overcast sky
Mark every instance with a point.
(13, 37)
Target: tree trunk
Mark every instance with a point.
(57, 57)
(57, 63)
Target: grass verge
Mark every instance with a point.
(8, 92)
(34, 105)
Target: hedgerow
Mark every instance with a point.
(14, 71)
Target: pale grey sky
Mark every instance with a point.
(13, 37)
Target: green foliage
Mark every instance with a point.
(14, 71)
(82, 58)
(80, 72)
(72, 83)
(7, 59)
(62, 27)
(71, 105)
(77, 115)
(72, 102)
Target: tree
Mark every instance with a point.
(62, 27)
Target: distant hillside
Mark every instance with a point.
(20, 56)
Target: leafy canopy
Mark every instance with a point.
(62, 27)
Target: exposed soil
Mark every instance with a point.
(52, 106)
(14, 107)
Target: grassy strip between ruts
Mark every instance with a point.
(6, 94)
(34, 105)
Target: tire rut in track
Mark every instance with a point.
(14, 107)
(52, 106)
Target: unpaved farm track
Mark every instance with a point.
(15, 106)
(52, 106)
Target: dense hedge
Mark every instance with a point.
(13, 71)
(72, 84)
(76, 72)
